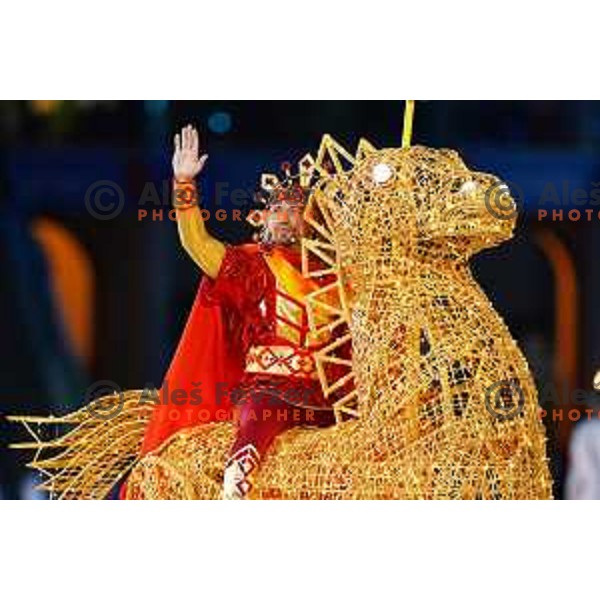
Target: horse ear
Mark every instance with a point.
(332, 157)
(364, 148)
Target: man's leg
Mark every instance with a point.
(263, 416)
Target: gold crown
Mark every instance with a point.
(291, 188)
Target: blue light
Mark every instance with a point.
(220, 122)
(156, 108)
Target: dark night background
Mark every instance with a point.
(127, 285)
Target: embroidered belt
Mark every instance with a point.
(281, 360)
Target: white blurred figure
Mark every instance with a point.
(583, 477)
(28, 489)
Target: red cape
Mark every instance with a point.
(208, 360)
(201, 370)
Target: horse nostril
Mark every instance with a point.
(468, 187)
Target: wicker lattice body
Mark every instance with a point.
(442, 404)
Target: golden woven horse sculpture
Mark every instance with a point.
(443, 404)
(437, 401)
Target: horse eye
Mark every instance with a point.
(382, 173)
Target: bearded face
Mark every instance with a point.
(284, 223)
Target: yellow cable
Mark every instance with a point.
(409, 111)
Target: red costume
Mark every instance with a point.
(245, 354)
